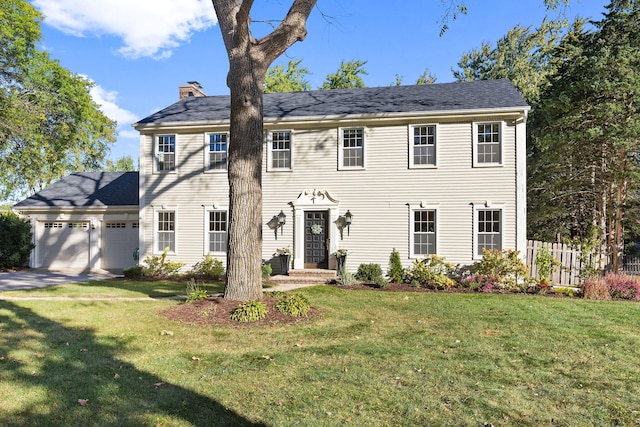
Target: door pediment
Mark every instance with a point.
(315, 198)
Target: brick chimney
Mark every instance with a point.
(191, 89)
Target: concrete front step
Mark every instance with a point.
(315, 276)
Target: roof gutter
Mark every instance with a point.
(351, 118)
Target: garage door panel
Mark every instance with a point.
(119, 241)
(64, 245)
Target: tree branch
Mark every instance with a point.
(292, 29)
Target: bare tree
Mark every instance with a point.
(249, 60)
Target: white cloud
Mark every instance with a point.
(133, 134)
(146, 27)
(107, 102)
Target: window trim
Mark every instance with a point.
(270, 167)
(423, 206)
(476, 163)
(156, 153)
(156, 229)
(487, 206)
(411, 156)
(341, 148)
(207, 242)
(207, 153)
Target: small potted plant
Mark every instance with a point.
(285, 255)
(341, 257)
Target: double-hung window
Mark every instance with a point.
(280, 150)
(487, 144)
(217, 145)
(165, 153)
(216, 231)
(422, 149)
(351, 152)
(489, 230)
(165, 231)
(423, 232)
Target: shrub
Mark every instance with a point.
(381, 282)
(368, 272)
(294, 305)
(134, 272)
(194, 292)
(345, 278)
(158, 266)
(590, 254)
(266, 271)
(546, 264)
(431, 272)
(250, 311)
(506, 267)
(209, 268)
(596, 288)
(395, 271)
(623, 286)
(15, 235)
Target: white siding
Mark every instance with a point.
(378, 196)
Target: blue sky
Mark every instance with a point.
(137, 52)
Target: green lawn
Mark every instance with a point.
(372, 359)
(117, 289)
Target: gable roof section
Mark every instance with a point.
(87, 189)
(444, 97)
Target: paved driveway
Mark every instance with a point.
(29, 279)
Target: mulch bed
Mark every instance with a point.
(217, 311)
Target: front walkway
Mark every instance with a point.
(37, 278)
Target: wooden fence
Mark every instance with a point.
(570, 258)
(631, 265)
(572, 262)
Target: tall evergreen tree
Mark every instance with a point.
(586, 132)
(523, 55)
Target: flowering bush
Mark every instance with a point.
(623, 286)
(341, 252)
(508, 269)
(485, 283)
(282, 252)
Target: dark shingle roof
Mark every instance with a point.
(84, 189)
(482, 94)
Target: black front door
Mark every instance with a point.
(315, 240)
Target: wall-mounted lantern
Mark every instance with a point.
(348, 217)
(282, 219)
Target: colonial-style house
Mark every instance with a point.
(435, 169)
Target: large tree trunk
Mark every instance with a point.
(249, 59)
(244, 252)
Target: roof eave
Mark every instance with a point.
(90, 210)
(349, 118)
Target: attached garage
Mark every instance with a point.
(85, 221)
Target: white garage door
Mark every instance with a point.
(119, 240)
(63, 245)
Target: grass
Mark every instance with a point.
(117, 289)
(373, 358)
